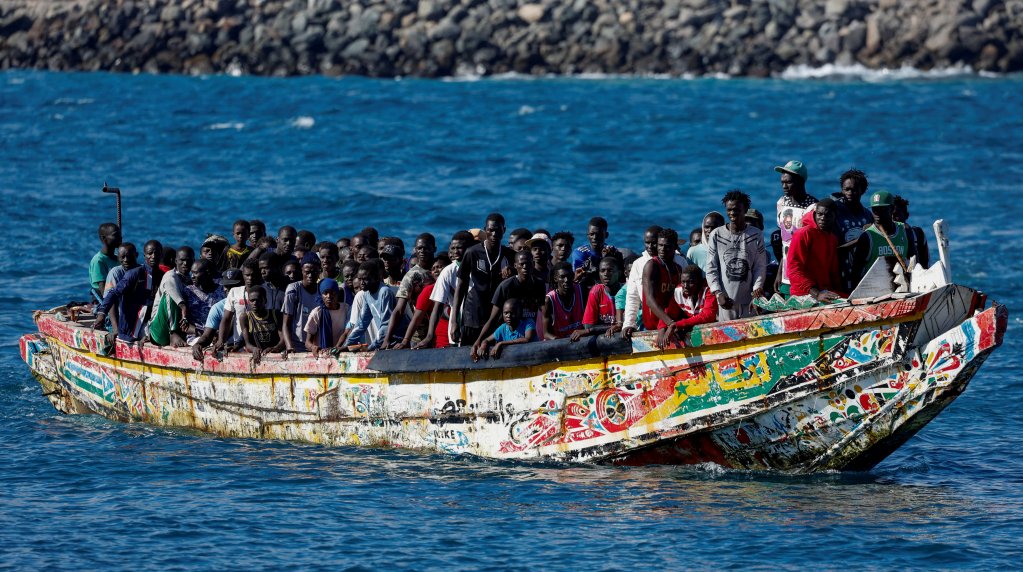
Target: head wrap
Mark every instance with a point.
(310, 258)
(326, 332)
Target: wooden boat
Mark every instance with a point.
(836, 387)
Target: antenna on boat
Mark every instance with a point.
(117, 192)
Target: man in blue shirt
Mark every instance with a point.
(132, 294)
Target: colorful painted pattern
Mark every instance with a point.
(762, 393)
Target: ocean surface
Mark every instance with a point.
(333, 155)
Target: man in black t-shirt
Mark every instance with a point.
(524, 287)
(478, 278)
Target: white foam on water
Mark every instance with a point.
(16, 81)
(303, 122)
(528, 110)
(861, 72)
(236, 125)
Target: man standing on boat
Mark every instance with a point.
(792, 205)
(851, 217)
(813, 268)
(105, 259)
(170, 308)
(736, 260)
(884, 238)
(478, 278)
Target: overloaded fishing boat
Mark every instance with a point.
(801, 389)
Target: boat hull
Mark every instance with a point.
(822, 389)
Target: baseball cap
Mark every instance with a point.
(882, 199)
(754, 214)
(540, 237)
(231, 277)
(391, 250)
(794, 168)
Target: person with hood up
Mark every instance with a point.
(812, 268)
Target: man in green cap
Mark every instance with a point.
(885, 237)
(792, 205)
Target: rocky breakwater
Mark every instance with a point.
(444, 37)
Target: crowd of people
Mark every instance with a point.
(290, 293)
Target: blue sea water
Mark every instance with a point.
(333, 155)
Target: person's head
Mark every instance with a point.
(854, 186)
(257, 230)
(755, 219)
(712, 221)
(292, 271)
(348, 271)
(241, 231)
(343, 242)
(523, 263)
(596, 233)
(425, 249)
(251, 274)
(266, 266)
(493, 229)
(286, 237)
(650, 239)
(371, 234)
(256, 296)
(366, 253)
(357, 242)
(561, 245)
(695, 236)
(393, 262)
(900, 209)
(127, 255)
(110, 236)
(540, 247)
(305, 240)
(369, 276)
(512, 312)
(183, 260)
(629, 260)
(152, 252)
(667, 244)
(882, 206)
(330, 293)
(564, 277)
(328, 258)
(168, 256)
(692, 281)
(202, 273)
(518, 237)
(231, 278)
(439, 264)
(793, 179)
(610, 270)
(824, 214)
(310, 270)
(459, 243)
(736, 204)
(213, 248)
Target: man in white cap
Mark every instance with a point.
(792, 205)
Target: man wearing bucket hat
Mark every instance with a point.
(885, 237)
(793, 204)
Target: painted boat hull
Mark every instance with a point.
(831, 388)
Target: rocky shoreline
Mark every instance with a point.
(437, 38)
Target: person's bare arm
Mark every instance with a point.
(651, 277)
(399, 311)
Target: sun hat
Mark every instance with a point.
(540, 237)
(796, 168)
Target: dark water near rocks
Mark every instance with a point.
(193, 154)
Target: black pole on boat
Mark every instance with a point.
(116, 192)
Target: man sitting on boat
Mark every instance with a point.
(131, 295)
(516, 329)
(170, 308)
(692, 304)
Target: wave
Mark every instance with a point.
(863, 73)
(236, 125)
(303, 122)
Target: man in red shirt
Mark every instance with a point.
(812, 262)
(691, 305)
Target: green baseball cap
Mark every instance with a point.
(796, 168)
(882, 199)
